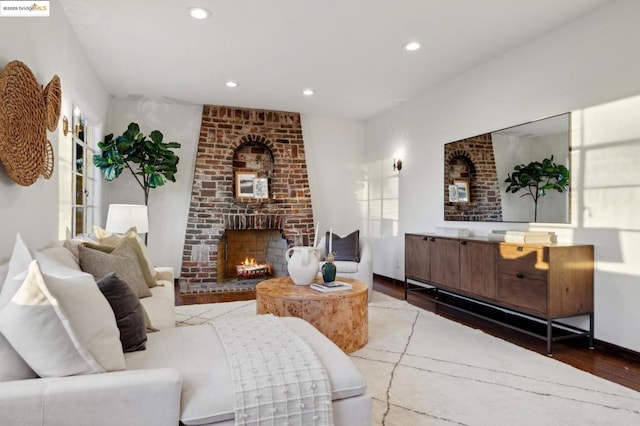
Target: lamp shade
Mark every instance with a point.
(122, 217)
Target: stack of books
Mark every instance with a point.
(330, 287)
(522, 236)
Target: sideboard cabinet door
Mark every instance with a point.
(445, 262)
(478, 268)
(416, 254)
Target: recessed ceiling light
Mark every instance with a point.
(199, 12)
(411, 46)
(231, 84)
(308, 92)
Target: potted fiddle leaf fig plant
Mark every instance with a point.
(150, 160)
(536, 179)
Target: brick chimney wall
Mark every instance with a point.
(213, 203)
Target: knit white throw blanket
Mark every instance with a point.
(277, 378)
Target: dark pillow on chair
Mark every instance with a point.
(128, 312)
(345, 248)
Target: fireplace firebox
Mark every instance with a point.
(251, 253)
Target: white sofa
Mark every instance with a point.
(361, 271)
(182, 377)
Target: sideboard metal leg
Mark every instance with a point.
(549, 335)
(591, 326)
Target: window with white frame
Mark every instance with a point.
(83, 176)
(378, 199)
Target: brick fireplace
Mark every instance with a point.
(265, 144)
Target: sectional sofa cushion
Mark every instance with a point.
(207, 396)
(122, 261)
(128, 311)
(60, 324)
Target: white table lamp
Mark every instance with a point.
(122, 217)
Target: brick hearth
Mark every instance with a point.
(236, 139)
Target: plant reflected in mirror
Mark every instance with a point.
(536, 178)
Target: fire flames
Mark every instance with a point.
(250, 268)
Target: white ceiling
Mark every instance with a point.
(348, 51)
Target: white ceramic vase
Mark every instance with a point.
(302, 264)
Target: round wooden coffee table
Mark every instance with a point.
(342, 316)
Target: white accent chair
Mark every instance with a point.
(361, 271)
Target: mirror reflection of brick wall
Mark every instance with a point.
(472, 160)
(267, 143)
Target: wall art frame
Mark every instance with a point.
(261, 188)
(244, 184)
(462, 191)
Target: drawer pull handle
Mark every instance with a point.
(425, 239)
(464, 243)
(433, 239)
(519, 275)
(520, 248)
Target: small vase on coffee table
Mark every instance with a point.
(329, 269)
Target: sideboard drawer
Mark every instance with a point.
(523, 292)
(523, 261)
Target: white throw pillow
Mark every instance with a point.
(13, 367)
(4, 269)
(62, 256)
(61, 324)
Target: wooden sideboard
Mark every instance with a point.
(545, 281)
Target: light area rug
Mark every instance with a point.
(423, 369)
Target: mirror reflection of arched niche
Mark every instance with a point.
(492, 157)
(472, 190)
(253, 165)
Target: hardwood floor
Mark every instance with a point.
(615, 364)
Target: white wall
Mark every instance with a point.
(168, 204)
(334, 150)
(589, 62)
(47, 46)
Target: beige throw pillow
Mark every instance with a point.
(142, 253)
(108, 238)
(122, 260)
(62, 325)
(73, 245)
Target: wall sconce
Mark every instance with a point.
(65, 125)
(397, 164)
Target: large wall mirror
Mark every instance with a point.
(476, 169)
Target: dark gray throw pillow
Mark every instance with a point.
(345, 248)
(128, 311)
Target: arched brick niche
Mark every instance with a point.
(232, 139)
(254, 155)
(472, 160)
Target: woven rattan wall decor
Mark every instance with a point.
(26, 112)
